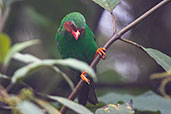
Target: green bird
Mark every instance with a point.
(76, 40)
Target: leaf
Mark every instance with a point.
(148, 101)
(72, 105)
(107, 4)
(1, 7)
(48, 107)
(116, 109)
(27, 58)
(163, 85)
(24, 71)
(161, 75)
(71, 84)
(5, 43)
(18, 47)
(27, 107)
(4, 76)
(78, 65)
(161, 58)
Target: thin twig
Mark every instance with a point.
(131, 42)
(113, 21)
(113, 18)
(116, 37)
(4, 18)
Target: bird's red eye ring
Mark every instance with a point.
(67, 26)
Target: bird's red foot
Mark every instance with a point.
(101, 52)
(84, 78)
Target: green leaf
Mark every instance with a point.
(78, 65)
(116, 109)
(27, 58)
(148, 101)
(80, 109)
(107, 4)
(5, 43)
(48, 107)
(71, 84)
(161, 58)
(18, 47)
(73, 63)
(1, 7)
(27, 107)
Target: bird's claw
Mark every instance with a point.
(101, 52)
(83, 77)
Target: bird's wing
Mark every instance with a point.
(59, 35)
(91, 34)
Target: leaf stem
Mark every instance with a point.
(113, 21)
(114, 38)
(4, 18)
(131, 42)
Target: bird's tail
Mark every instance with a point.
(87, 93)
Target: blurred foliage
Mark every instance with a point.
(30, 19)
(161, 58)
(16, 48)
(107, 4)
(4, 46)
(116, 109)
(166, 76)
(148, 101)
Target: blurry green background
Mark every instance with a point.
(126, 69)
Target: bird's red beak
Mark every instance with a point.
(76, 34)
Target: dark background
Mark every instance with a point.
(126, 69)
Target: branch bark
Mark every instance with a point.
(114, 38)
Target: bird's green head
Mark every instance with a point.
(73, 23)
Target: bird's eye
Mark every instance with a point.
(73, 27)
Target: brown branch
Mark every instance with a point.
(114, 38)
(131, 42)
(113, 21)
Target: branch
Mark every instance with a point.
(114, 38)
(113, 21)
(131, 42)
(4, 18)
